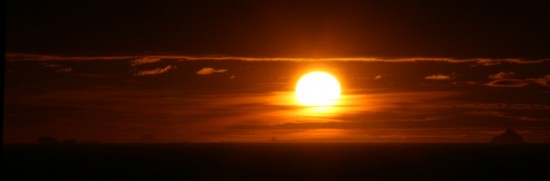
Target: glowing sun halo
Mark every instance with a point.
(317, 89)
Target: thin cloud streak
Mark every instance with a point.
(508, 83)
(58, 67)
(437, 77)
(144, 60)
(502, 75)
(501, 80)
(209, 70)
(154, 71)
(151, 59)
(64, 70)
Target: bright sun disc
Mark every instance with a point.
(318, 89)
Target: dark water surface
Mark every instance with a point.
(276, 161)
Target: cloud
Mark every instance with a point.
(155, 71)
(480, 61)
(544, 81)
(505, 79)
(209, 70)
(377, 77)
(64, 70)
(52, 65)
(438, 77)
(488, 62)
(500, 114)
(508, 83)
(144, 60)
(471, 82)
(491, 62)
(40, 57)
(502, 106)
(58, 67)
(503, 75)
(96, 75)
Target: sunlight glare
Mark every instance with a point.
(317, 89)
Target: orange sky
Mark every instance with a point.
(119, 99)
(210, 71)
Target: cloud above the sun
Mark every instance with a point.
(507, 79)
(544, 81)
(58, 68)
(472, 71)
(139, 60)
(502, 75)
(144, 60)
(438, 77)
(209, 71)
(156, 71)
(508, 83)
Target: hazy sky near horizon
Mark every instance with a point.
(112, 71)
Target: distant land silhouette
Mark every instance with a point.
(281, 161)
(508, 137)
(53, 140)
(69, 141)
(47, 140)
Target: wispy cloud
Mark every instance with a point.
(209, 70)
(438, 77)
(488, 62)
(502, 106)
(144, 60)
(155, 71)
(377, 77)
(52, 65)
(64, 70)
(41, 57)
(506, 79)
(58, 67)
(503, 75)
(96, 75)
(491, 62)
(150, 59)
(508, 83)
(545, 81)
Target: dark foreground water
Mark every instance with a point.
(276, 161)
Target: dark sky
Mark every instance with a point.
(303, 28)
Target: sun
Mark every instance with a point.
(317, 89)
